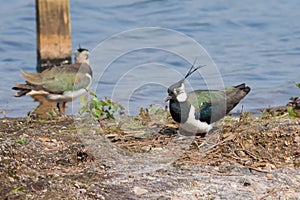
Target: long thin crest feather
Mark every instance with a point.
(193, 69)
(188, 73)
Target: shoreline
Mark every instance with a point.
(246, 157)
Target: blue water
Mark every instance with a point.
(256, 42)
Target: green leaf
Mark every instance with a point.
(291, 112)
(21, 188)
(97, 113)
(21, 141)
(82, 110)
(83, 100)
(92, 93)
(109, 115)
(104, 103)
(96, 103)
(98, 108)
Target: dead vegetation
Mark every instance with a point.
(246, 157)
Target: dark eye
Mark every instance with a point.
(177, 91)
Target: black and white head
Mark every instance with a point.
(82, 56)
(177, 90)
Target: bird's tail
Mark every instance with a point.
(32, 78)
(243, 87)
(235, 94)
(24, 89)
(33, 83)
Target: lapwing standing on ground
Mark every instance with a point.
(60, 84)
(197, 110)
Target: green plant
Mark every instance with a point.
(98, 109)
(265, 112)
(293, 107)
(21, 188)
(21, 141)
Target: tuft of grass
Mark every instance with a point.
(99, 109)
(293, 107)
(21, 188)
(152, 113)
(21, 141)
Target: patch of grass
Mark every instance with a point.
(153, 113)
(21, 141)
(293, 107)
(21, 188)
(99, 109)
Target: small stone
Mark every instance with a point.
(146, 148)
(110, 136)
(241, 153)
(268, 175)
(123, 181)
(286, 143)
(270, 166)
(297, 139)
(44, 139)
(99, 196)
(139, 191)
(54, 140)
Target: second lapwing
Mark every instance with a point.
(60, 84)
(197, 110)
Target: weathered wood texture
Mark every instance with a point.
(54, 45)
(53, 33)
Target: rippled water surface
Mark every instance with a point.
(256, 42)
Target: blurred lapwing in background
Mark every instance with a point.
(60, 84)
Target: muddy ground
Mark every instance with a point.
(144, 157)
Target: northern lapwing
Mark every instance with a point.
(60, 84)
(197, 110)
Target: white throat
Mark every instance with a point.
(182, 97)
(87, 61)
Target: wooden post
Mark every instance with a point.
(53, 33)
(53, 44)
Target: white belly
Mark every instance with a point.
(66, 96)
(195, 126)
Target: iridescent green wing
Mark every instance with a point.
(213, 105)
(61, 79)
(198, 97)
(210, 105)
